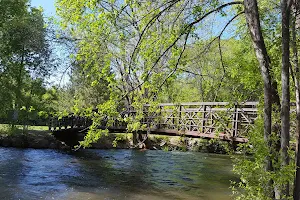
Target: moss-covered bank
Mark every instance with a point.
(167, 143)
(44, 139)
(31, 139)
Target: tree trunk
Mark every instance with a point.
(285, 77)
(252, 18)
(18, 88)
(297, 91)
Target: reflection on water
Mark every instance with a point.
(113, 174)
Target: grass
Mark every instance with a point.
(38, 128)
(4, 128)
(7, 129)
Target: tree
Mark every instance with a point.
(295, 75)
(24, 55)
(144, 51)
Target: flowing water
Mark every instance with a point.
(113, 174)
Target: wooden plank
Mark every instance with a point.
(248, 103)
(248, 109)
(173, 132)
(197, 134)
(196, 104)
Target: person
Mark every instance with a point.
(142, 147)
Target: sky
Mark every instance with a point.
(59, 77)
(47, 5)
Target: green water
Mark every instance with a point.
(113, 174)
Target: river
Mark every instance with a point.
(30, 174)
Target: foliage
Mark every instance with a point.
(136, 53)
(250, 166)
(131, 73)
(25, 62)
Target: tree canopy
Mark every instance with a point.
(165, 51)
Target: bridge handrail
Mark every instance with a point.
(248, 103)
(205, 119)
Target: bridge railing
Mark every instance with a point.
(70, 121)
(204, 118)
(200, 119)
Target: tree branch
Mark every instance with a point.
(178, 60)
(148, 25)
(186, 31)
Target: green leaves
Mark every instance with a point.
(132, 53)
(25, 59)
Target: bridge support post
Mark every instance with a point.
(235, 124)
(135, 138)
(72, 121)
(203, 119)
(50, 123)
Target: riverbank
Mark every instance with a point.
(166, 143)
(41, 139)
(32, 139)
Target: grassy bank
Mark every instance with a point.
(8, 129)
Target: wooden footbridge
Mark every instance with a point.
(199, 119)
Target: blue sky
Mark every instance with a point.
(47, 5)
(49, 10)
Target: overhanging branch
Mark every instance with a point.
(187, 31)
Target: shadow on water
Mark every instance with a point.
(113, 174)
(122, 174)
